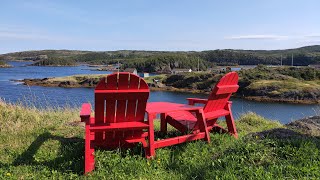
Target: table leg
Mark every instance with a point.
(163, 123)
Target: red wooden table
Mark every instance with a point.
(162, 108)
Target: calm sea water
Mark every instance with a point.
(55, 96)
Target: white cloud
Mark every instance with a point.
(257, 36)
(26, 35)
(12, 32)
(312, 36)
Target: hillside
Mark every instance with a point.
(281, 84)
(151, 61)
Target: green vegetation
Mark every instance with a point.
(195, 81)
(162, 61)
(166, 62)
(42, 144)
(57, 61)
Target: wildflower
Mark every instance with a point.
(8, 174)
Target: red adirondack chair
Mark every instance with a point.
(120, 103)
(217, 105)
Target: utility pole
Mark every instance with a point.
(291, 59)
(118, 66)
(198, 65)
(281, 59)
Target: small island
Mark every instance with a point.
(4, 65)
(262, 83)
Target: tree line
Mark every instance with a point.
(154, 61)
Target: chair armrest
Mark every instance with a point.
(192, 101)
(85, 112)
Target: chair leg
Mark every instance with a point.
(89, 151)
(164, 125)
(151, 148)
(231, 125)
(203, 124)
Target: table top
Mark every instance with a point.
(164, 107)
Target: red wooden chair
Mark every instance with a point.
(120, 103)
(217, 105)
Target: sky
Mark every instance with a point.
(170, 25)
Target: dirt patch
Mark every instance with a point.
(76, 123)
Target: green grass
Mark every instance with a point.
(42, 144)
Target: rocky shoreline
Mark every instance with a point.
(5, 66)
(308, 127)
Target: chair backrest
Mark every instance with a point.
(221, 93)
(120, 97)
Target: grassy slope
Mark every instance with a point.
(76, 78)
(286, 85)
(37, 144)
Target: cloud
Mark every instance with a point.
(312, 36)
(257, 36)
(24, 35)
(310, 41)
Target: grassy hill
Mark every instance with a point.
(150, 61)
(42, 144)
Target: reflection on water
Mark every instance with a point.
(74, 97)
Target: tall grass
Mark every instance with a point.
(48, 143)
